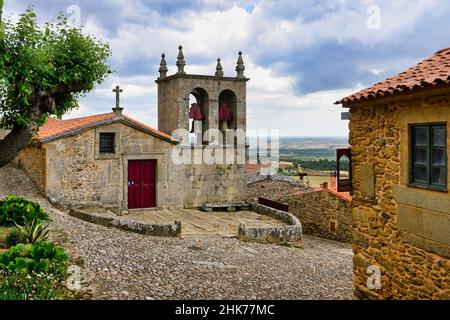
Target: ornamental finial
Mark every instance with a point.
(180, 60)
(163, 67)
(240, 66)
(219, 69)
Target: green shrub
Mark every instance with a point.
(42, 257)
(15, 210)
(15, 236)
(34, 231)
(34, 286)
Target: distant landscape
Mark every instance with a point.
(317, 153)
(315, 156)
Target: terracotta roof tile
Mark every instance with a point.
(160, 133)
(434, 71)
(54, 127)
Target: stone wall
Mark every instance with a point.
(287, 235)
(323, 213)
(32, 161)
(210, 183)
(403, 230)
(73, 173)
(78, 176)
(157, 230)
(173, 100)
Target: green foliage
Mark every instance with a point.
(34, 286)
(14, 237)
(35, 231)
(19, 211)
(1, 21)
(55, 58)
(308, 153)
(317, 164)
(42, 257)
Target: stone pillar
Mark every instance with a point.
(213, 116)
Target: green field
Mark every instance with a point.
(316, 181)
(315, 156)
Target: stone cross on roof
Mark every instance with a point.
(118, 91)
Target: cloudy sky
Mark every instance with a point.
(301, 55)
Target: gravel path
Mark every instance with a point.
(122, 265)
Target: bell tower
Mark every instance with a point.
(220, 101)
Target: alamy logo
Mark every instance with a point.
(374, 279)
(230, 147)
(73, 281)
(374, 19)
(74, 18)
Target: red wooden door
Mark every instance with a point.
(141, 184)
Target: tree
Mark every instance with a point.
(44, 70)
(1, 21)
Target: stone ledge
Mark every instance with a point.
(422, 198)
(287, 235)
(227, 206)
(160, 230)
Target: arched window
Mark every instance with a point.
(198, 115)
(227, 114)
(344, 169)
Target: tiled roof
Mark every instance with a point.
(54, 127)
(432, 72)
(344, 195)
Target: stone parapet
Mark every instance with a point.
(160, 230)
(287, 235)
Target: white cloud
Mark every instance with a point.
(346, 22)
(133, 86)
(377, 71)
(205, 35)
(219, 29)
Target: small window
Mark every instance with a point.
(107, 142)
(429, 156)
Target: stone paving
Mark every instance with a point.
(196, 223)
(122, 265)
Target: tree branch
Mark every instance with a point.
(76, 86)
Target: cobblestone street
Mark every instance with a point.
(122, 265)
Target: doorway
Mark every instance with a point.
(141, 184)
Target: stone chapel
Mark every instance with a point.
(113, 161)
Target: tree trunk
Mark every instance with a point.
(20, 136)
(16, 140)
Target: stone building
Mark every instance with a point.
(323, 212)
(401, 206)
(114, 161)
